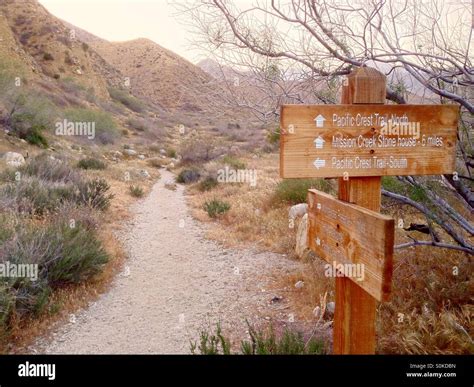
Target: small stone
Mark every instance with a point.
(130, 152)
(299, 285)
(298, 210)
(14, 159)
(331, 307)
(141, 157)
(144, 173)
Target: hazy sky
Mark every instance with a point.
(119, 20)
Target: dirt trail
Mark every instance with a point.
(174, 283)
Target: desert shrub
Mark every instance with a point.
(216, 207)
(136, 191)
(211, 343)
(154, 148)
(187, 176)
(391, 183)
(207, 184)
(25, 37)
(65, 254)
(48, 56)
(35, 136)
(262, 342)
(7, 307)
(294, 191)
(71, 86)
(127, 99)
(91, 163)
(138, 124)
(50, 169)
(155, 162)
(106, 130)
(80, 257)
(171, 153)
(46, 184)
(35, 197)
(30, 115)
(273, 137)
(94, 193)
(198, 151)
(233, 162)
(266, 342)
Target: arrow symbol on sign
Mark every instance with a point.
(319, 142)
(319, 163)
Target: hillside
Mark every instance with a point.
(162, 76)
(55, 48)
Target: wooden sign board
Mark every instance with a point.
(355, 241)
(367, 140)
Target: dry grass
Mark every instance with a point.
(252, 217)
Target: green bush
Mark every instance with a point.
(65, 254)
(127, 99)
(207, 184)
(35, 137)
(263, 342)
(81, 255)
(211, 343)
(64, 244)
(171, 153)
(187, 176)
(294, 191)
(106, 130)
(273, 137)
(91, 163)
(391, 183)
(94, 193)
(233, 162)
(136, 191)
(48, 56)
(29, 116)
(216, 207)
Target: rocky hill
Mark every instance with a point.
(162, 76)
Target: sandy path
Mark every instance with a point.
(174, 283)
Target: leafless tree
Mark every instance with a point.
(291, 50)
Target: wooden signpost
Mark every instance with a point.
(352, 237)
(358, 142)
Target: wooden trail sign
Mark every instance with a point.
(360, 141)
(367, 140)
(356, 242)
